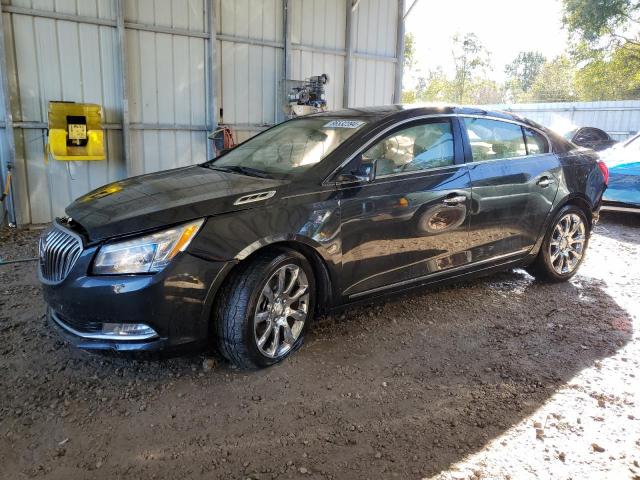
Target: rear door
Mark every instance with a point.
(513, 185)
(411, 220)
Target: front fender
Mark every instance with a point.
(233, 237)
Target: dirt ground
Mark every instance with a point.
(497, 378)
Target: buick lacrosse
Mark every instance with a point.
(312, 214)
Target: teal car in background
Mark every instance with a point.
(623, 161)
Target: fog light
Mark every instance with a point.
(138, 330)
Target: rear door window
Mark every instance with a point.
(494, 139)
(536, 142)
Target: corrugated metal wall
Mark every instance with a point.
(620, 119)
(251, 49)
(320, 23)
(75, 56)
(166, 85)
(375, 43)
(249, 74)
(59, 60)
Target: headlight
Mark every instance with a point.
(147, 254)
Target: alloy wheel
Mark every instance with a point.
(282, 311)
(566, 246)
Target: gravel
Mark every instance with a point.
(500, 377)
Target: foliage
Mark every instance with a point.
(522, 72)
(469, 83)
(587, 74)
(613, 78)
(409, 51)
(555, 82)
(470, 58)
(602, 23)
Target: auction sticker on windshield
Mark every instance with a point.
(344, 124)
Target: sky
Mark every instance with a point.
(506, 27)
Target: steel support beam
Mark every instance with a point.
(7, 164)
(183, 32)
(118, 126)
(397, 90)
(212, 73)
(373, 56)
(122, 57)
(33, 12)
(286, 67)
(249, 41)
(104, 22)
(348, 58)
(303, 47)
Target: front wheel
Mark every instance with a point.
(265, 308)
(564, 246)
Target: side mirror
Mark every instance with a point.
(364, 172)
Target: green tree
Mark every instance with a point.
(409, 51)
(603, 23)
(471, 58)
(555, 82)
(522, 72)
(483, 91)
(613, 77)
(409, 96)
(436, 87)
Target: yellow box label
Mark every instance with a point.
(77, 131)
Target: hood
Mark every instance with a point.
(164, 198)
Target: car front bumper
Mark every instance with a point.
(175, 304)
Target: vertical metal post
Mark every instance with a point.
(122, 57)
(7, 163)
(286, 24)
(212, 76)
(348, 58)
(397, 91)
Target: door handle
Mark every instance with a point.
(451, 201)
(544, 182)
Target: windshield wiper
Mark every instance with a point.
(252, 172)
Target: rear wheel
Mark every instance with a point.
(265, 308)
(564, 246)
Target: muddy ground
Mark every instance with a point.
(501, 377)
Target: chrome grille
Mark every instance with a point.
(59, 251)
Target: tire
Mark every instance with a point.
(561, 254)
(255, 329)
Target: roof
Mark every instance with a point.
(384, 111)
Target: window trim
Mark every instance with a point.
(526, 144)
(461, 132)
(424, 170)
(522, 125)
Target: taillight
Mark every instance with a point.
(605, 171)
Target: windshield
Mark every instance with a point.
(289, 148)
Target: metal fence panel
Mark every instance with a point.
(620, 119)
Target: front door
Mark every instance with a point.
(513, 185)
(411, 220)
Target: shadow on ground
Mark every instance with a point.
(402, 389)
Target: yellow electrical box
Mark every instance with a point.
(75, 131)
